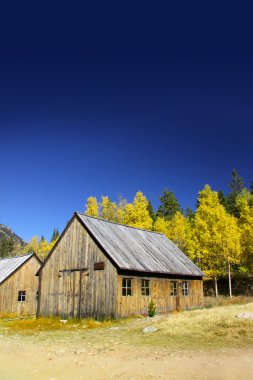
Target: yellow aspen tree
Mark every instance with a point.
(137, 214)
(44, 249)
(216, 235)
(121, 211)
(229, 242)
(32, 246)
(244, 204)
(180, 232)
(108, 209)
(92, 208)
(162, 225)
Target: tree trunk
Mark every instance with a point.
(229, 280)
(216, 287)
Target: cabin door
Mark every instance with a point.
(71, 293)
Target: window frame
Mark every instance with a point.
(22, 296)
(145, 287)
(173, 288)
(127, 290)
(185, 289)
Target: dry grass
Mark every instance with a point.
(208, 328)
(29, 326)
(225, 301)
(8, 316)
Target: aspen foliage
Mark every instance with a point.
(217, 235)
(108, 209)
(162, 225)
(40, 247)
(180, 232)
(245, 222)
(137, 214)
(92, 208)
(121, 211)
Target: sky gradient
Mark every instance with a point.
(119, 110)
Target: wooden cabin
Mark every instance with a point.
(104, 269)
(19, 284)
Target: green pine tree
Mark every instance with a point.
(151, 211)
(236, 187)
(189, 213)
(251, 187)
(6, 247)
(55, 235)
(169, 205)
(222, 198)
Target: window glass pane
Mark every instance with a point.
(185, 288)
(173, 291)
(126, 287)
(145, 287)
(21, 295)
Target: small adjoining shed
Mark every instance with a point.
(100, 269)
(19, 284)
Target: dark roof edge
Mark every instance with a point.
(146, 273)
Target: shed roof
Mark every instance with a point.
(139, 250)
(11, 264)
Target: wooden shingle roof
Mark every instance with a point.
(139, 250)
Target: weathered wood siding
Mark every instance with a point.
(77, 293)
(160, 293)
(23, 279)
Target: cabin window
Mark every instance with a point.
(185, 288)
(145, 287)
(21, 295)
(127, 287)
(173, 288)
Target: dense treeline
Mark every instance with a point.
(218, 236)
(9, 248)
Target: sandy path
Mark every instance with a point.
(19, 360)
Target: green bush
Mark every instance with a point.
(151, 309)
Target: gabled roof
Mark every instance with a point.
(9, 265)
(139, 250)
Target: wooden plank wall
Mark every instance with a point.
(60, 292)
(23, 279)
(160, 290)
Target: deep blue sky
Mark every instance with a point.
(115, 100)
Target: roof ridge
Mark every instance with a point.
(118, 224)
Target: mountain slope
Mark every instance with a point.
(6, 232)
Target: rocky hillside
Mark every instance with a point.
(6, 232)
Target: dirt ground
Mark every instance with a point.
(46, 360)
